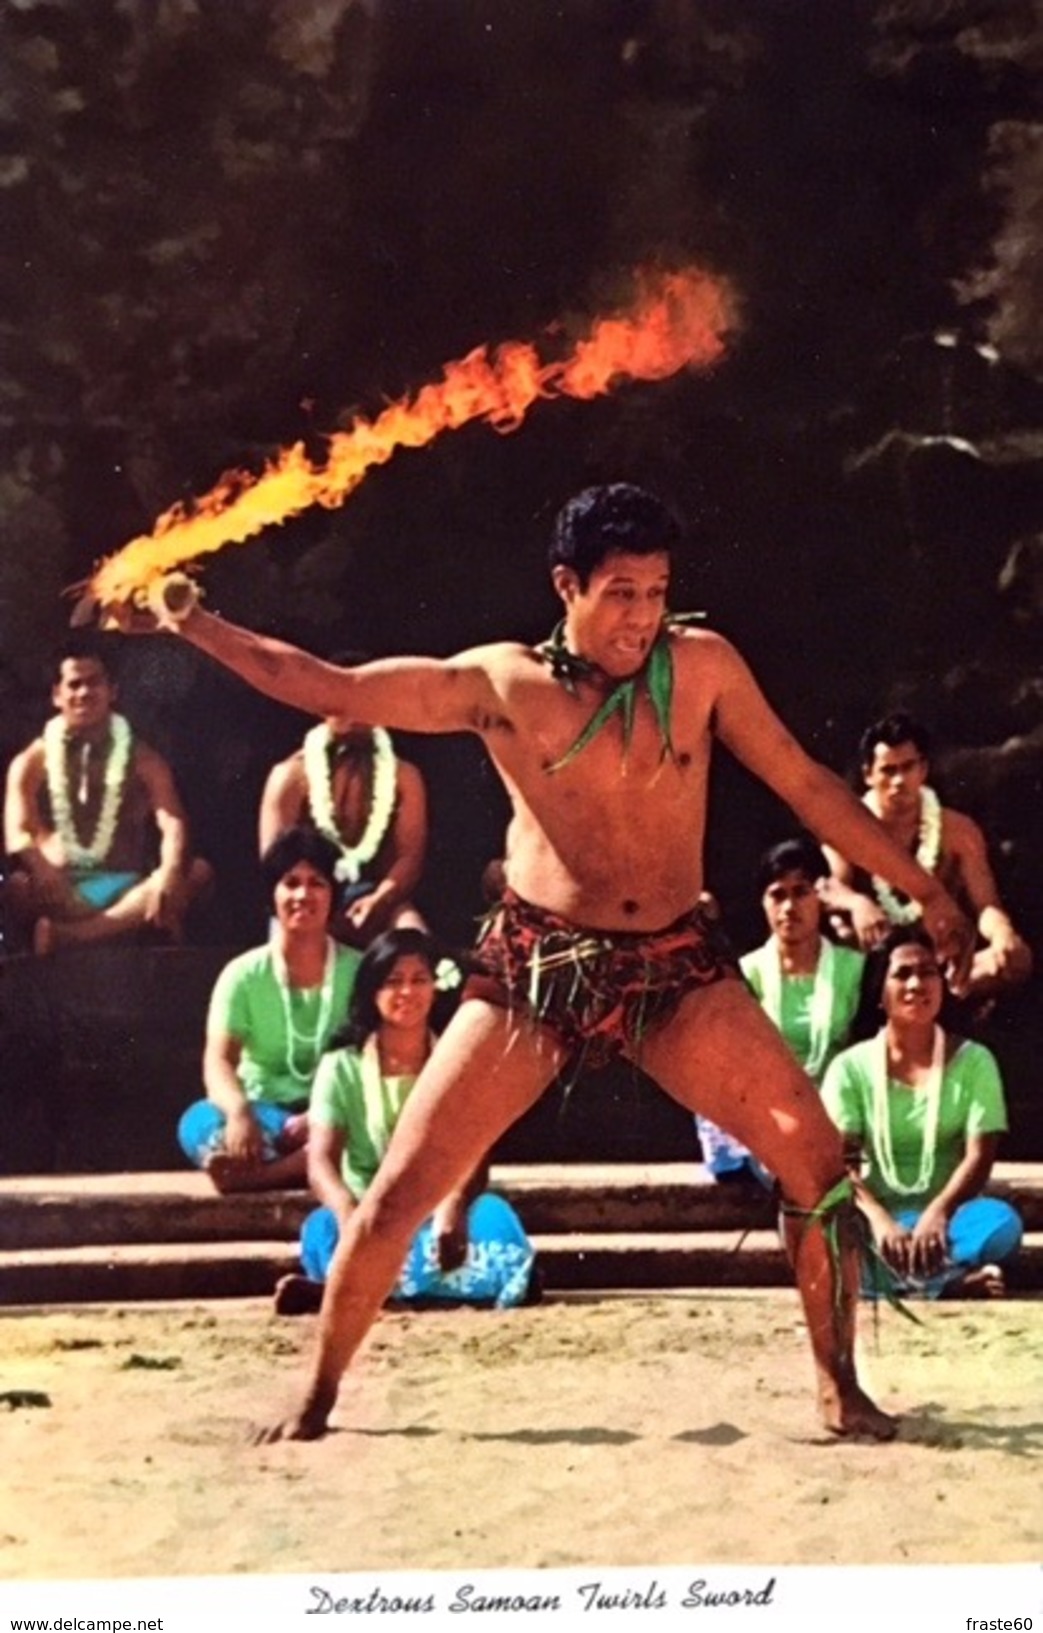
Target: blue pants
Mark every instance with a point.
(982, 1231)
(723, 1155)
(496, 1271)
(201, 1131)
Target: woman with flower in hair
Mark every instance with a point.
(473, 1249)
(922, 1111)
(271, 1015)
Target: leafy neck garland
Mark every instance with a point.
(656, 676)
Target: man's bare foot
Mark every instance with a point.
(298, 1295)
(44, 938)
(986, 1282)
(851, 1414)
(308, 1424)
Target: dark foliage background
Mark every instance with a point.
(225, 227)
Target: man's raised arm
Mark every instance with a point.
(412, 694)
(749, 727)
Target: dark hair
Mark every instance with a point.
(80, 646)
(614, 518)
(875, 975)
(892, 729)
(797, 855)
(296, 845)
(378, 961)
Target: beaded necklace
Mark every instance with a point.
(311, 1042)
(881, 1121)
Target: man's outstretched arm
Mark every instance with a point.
(748, 726)
(412, 694)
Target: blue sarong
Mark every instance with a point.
(201, 1130)
(983, 1231)
(496, 1271)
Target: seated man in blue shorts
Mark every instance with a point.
(84, 803)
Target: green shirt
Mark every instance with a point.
(352, 1096)
(796, 991)
(248, 1003)
(971, 1103)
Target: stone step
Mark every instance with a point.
(581, 1261)
(128, 1274)
(101, 1209)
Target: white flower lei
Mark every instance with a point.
(928, 850)
(56, 736)
(881, 1130)
(319, 776)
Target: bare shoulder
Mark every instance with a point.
(150, 766)
(28, 762)
(287, 773)
(408, 776)
(499, 662)
(705, 654)
(495, 673)
(694, 644)
(961, 835)
(26, 775)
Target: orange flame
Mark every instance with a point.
(679, 318)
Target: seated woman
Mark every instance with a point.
(473, 1250)
(922, 1111)
(271, 1015)
(806, 985)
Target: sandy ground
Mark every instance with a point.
(622, 1430)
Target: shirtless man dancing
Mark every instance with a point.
(602, 738)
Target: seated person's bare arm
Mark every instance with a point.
(449, 1221)
(172, 824)
(1010, 955)
(282, 803)
(928, 1237)
(408, 845)
(869, 922)
(221, 1056)
(325, 1153)
(24, 835)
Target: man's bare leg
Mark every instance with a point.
(721, 1056)
(486, 1070)
(128, 913)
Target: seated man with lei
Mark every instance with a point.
(271, 1014)
(473, 1250)
(84, 804)
(922, 1111)
(807, 986)
(347, 781)
(894, 759)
